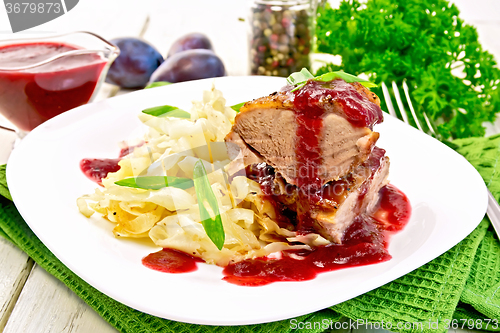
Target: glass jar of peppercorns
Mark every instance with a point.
(281, 36)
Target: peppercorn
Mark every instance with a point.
(280, 38)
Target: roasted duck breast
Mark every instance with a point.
(318, 144)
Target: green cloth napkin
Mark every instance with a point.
(456, 290)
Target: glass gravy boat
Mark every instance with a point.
(41, 78)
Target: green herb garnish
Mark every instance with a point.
(207, 203)
(299, 79)
(157, 84)
(422, 41)
(167, 111)
(237, 107)
(349, 78)
(156, 182)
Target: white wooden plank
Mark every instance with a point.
(483, 10)
(107, 18)
(488, 37)
(106, 90)
(7, 139)
(16, 266)
(47, 305)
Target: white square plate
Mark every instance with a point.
(447, 194)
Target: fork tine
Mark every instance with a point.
(400, 102)
(388, 100)
(429, 124)
(410, 105)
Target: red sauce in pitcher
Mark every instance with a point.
(28, 97)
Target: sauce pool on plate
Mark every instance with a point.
(171, 261)
(365, 242)
(98, 168)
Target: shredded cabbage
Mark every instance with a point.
(170, 216)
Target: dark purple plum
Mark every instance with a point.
(189, 65)
(190, 41)
(135, 64)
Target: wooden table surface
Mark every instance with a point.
(31, 300)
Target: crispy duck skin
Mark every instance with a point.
(268, 126)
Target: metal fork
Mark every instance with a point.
(493, 210)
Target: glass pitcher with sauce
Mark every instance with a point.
(41, 78)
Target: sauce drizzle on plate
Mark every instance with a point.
(365, 242)
(171, 261)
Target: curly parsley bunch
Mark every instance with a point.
(421, 41)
